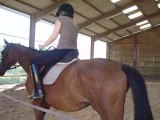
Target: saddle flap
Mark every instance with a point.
(55, 71)
(68, 58)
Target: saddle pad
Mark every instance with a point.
(55, 71)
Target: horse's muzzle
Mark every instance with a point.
(2, 72)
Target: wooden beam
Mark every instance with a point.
(106, 15)
(140, 8)
(41, 14)
(125, 26)
(27, 4)
(129, 32)
(129, 36)
(54, 0)
(117, 24)
(92, 6)
(88, 3)
(95, 23)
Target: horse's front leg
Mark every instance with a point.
(39, 115)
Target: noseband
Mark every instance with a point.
(4, 69)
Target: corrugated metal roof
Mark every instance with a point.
(101, 19)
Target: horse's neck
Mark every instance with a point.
(24, 58)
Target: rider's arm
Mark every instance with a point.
(53, 35)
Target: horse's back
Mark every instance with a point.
(99, 70)
(97, 65)
(94, 70)
(97, 74)
(81, 81)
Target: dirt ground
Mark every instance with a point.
(10, 110)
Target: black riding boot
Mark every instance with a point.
(38, 91)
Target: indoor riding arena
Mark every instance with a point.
(130, 30)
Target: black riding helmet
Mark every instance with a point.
(65, 10)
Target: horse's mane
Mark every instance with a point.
(24, 47)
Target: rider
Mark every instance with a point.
(68, 30)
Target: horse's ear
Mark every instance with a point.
(5, 41)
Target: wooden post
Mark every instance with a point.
(107, 50)
(135, 52)
(32, 31)
(92, 48)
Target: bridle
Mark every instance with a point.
(14, 67)
(3, 69)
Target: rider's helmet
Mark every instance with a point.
(65, 10)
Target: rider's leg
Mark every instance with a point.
(38, 91)
(52, 56)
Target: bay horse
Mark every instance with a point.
(101, 83)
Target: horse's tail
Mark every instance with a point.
(142, 108)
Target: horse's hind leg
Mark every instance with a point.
(39, 115)
(110, 105)
(110, 110)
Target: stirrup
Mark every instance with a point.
(38, 95)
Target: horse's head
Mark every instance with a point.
(8, 58)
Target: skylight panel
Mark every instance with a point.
(114, 1)
(145, 26)
(158, 5)
(130, 9)
(135, 15)
(141, 23)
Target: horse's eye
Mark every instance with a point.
(2, 52)
(0, 55)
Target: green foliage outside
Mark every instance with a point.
(13, 79)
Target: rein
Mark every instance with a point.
(59, 115)
(14, 67)
(3, 69)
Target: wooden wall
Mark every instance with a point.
(141, 50)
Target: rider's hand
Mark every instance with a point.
(41, 47)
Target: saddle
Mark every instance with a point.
(49, 73)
